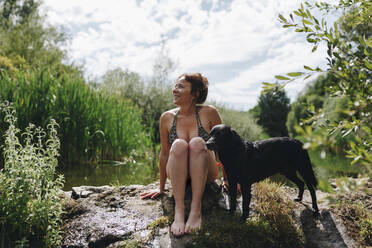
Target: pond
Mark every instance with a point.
(116, 173)
(108, 174)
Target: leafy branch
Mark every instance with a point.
(349, 56)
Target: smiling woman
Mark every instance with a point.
(184, 157)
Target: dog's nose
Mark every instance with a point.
(210, 145)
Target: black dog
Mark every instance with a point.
(249, 162)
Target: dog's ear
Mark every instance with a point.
(236, 137)
(233, 131)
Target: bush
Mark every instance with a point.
(243, 122)
(30, 208)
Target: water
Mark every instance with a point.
(108, 174)
(144, 173)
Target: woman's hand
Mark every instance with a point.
(151, 195)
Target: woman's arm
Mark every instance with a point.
(214, 117)
(163, 156)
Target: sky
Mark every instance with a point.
(236, 44)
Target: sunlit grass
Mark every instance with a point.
(272, 227)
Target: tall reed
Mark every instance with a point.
(93, 125)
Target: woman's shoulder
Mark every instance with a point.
(169, 114)
(210, 109)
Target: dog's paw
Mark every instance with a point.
(242, 220)
(316, 213)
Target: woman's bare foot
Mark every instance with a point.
(178, 226)
(194, 221)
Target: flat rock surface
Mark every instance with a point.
(117, 217)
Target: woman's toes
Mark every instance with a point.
(178, 229)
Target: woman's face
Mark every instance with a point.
(182, 92)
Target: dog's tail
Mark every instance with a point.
(307, 171)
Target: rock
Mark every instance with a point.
(117, 217)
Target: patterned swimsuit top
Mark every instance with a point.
(172, 136)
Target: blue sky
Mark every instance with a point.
(236, 44)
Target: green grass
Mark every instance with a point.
(331, 166)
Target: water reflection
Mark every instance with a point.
(108, 174)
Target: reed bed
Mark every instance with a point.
(93, 125)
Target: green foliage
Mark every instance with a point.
(153, 97)
(6, 64)
(310, 101)
(273, 110)
(15, 12)
(30, 208)
(243, 122)
(349, 44)
(25, 38)
(93, 125)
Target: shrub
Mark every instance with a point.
(243, 122)
(30, 208)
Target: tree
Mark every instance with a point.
(313, 97)
(14, 12)
(349, 56)
(26, 40)
(273, 111)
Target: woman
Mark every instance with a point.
(184, 155)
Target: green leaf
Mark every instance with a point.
(311, 40)
(316, 20)
(269, 84)
(307, 77)
(369, 42)
(297, 13)
(356, 159)
(295, 74)
(282, 18)
(279, 77)
(307, 22)
(308, 68)
(314, 48)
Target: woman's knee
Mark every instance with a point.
(197, 146)
(179, 147)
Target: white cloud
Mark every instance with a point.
(237, 44)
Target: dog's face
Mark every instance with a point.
(222, 137)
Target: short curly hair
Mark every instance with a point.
(198, 84)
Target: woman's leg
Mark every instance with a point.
(177, 171)
(202, 167)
